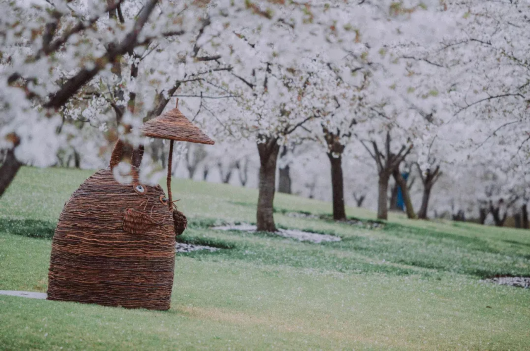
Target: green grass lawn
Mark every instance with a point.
(409, 285)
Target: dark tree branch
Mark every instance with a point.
(289, 131)
(162, 102)
(206, 96)
(148, 40)
(399, 158)
(250, 85)
(50, 29)
(369, 151)
(488, 98)
(80, 26)
(76, 82)
(205, 23)
(422, 59)
(495, 131)
(378, 158)
(387, 147)
(207, 58)
(120, 14)
(421, 173)
(436, 177)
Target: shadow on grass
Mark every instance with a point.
(31, 228)
(216, 243)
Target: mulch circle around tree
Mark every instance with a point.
(521, 282)
(286, 233)
(351, 221)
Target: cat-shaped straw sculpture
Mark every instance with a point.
(115, 243)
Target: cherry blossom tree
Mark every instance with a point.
(56, 51)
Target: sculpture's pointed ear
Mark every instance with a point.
(117, 154)
(137, 156)
(123, 152)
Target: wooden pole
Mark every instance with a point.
(169, 167)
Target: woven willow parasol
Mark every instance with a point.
(173, 125)
(114, 244)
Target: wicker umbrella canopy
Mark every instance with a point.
(173, 125)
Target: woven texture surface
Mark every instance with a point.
(114, 245)
(173, 125)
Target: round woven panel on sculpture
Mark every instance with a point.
(114, 245)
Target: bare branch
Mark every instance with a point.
(435, 178)
(521, 146)
(208, 96)
(378, 159)
(488, 98)
(148, 40)
(420, 172)
(400, 157)
(495, 131)
(207, 58)
(422, 59)
(250, 85)
(162, 102)
(205, 23)
(287, 131)
(367, 148)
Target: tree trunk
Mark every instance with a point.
(226, 177)
(312, 187)
(428, 179)
(393, 199)
(524, 213)
(483, 214)
(405, 191)
(8, 170)
(285, 180)
(335, 150)
(424, 203)
(359, 199)
(382, 209)
(496, 213)
(268, 154)
(191, 171)
(77, 160)
(284, 185)
(242, 170)
(337, 184)
(243, 176)
(517, 220)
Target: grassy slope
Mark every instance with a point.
(414, 284)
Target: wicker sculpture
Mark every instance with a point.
(115, 243)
